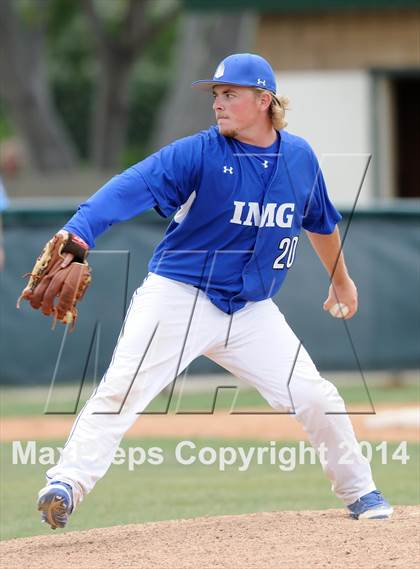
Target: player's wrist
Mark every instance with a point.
(340, 276)
(341, 280)
(74, 245)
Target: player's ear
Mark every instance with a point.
(269, 99)
(264, 99)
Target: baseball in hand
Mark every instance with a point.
(339, 310)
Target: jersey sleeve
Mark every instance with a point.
(171, 174)
(123, 197)
(163, 181)
(320, 215)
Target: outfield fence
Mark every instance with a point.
(382, 249)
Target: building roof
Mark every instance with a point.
(300, 5)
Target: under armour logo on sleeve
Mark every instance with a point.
(227, 169)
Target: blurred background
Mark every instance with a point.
(90, 87)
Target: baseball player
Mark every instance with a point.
(241, 191)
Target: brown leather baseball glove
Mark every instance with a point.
(59, 278)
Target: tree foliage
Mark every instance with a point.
(25, 87)
(101, 68)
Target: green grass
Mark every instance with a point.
(31, 401)
(171, 490)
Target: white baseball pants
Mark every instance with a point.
(168, 325)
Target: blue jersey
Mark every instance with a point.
(238, 213)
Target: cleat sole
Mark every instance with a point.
(51, 508)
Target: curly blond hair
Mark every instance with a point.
(277, 110)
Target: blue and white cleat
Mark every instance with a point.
(372, 506)
(55, 502)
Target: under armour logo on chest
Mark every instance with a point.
(227, 169)
(265, 163)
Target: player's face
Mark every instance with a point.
(236, 108)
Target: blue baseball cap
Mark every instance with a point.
(244, 69)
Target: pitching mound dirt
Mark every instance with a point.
(302, 540)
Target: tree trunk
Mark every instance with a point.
(24, 88)
(204, 40)
(110, 115)
(117, 54)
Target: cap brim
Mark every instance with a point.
(206, 84)
(209, 83)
